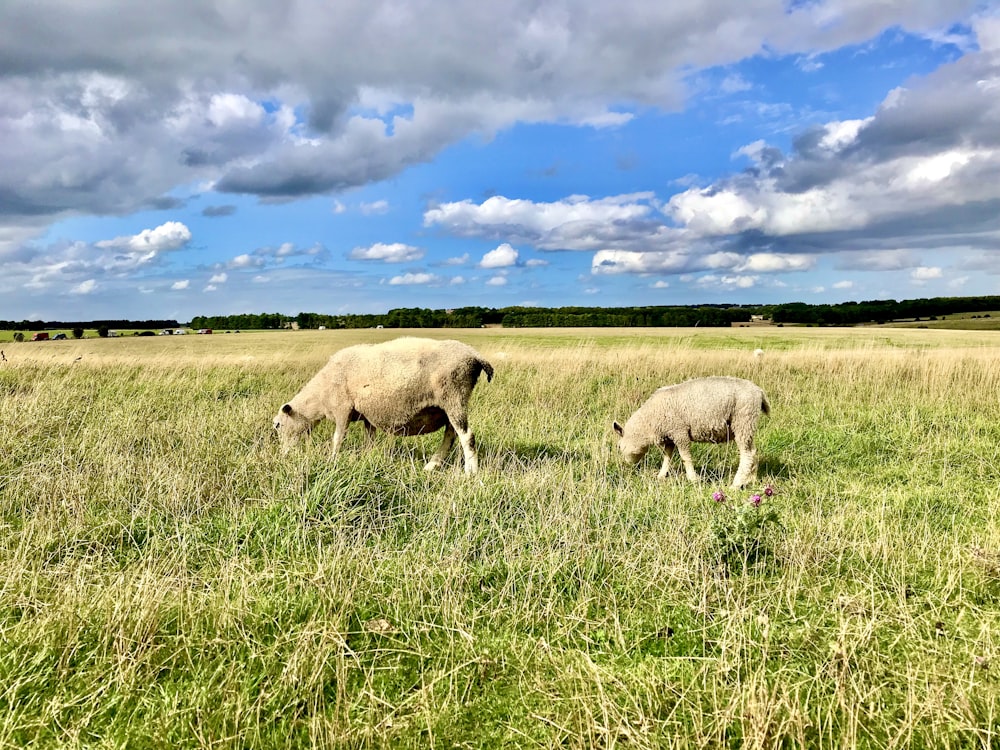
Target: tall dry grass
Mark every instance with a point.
(168, 578)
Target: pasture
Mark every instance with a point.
(169, 579)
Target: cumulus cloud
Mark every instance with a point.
(574, 223)
(496, 281)
(180, 285)
(219, 278)
(923, 274)
(150, 242)
(375, 207)
(415, 279)
(500, 257)
(85, 287)
(270, 256)
(395, 252)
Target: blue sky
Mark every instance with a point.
(172, 159)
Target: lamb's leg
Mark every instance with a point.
(684, 448)
(668, 453)
(747, 470)
(438, 459)
(468, 441)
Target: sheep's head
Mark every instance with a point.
(290, 426)
(632, 450)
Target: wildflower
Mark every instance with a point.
(719, 497)
(769, 490)
(755, 500)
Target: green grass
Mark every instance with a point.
(169, 579)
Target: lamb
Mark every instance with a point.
(408, 386)
(704, 410)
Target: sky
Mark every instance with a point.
(172, 158)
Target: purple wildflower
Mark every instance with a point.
(769, 490)
(755, 500)
(719, 497)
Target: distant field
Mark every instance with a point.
(989, 321)
(169, 579)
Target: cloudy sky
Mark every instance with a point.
(172, 158)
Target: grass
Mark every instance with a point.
(169, 579)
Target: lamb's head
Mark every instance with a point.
(633, 450)
(291, 426)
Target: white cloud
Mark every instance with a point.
(574, 223)
(85, 287)
(460, 260)
(415, 279)
(500, 257)
(922, 274)
(169, 236)
(958, 282)
(457, 280)
(219, 278)
(375, 208)
(210, 288)
(178, 285)
(497, 281)
(775, 262)
(536, 262)
(843, 285)
(396, 252)
(661, 284)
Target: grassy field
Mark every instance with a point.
(169, 579)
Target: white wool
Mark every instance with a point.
(715, 409)
(408, 386)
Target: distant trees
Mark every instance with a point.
(78, 333)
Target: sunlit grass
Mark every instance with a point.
(169, 578)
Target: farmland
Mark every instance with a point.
(168, 578)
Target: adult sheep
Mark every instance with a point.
(704, 410)
(408, 386)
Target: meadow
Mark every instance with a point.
(170, 578)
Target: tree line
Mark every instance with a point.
(877, 311)
(509, 317)
(721, 315)
(48, 325)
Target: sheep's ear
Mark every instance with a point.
(618, 428)
(287, 409)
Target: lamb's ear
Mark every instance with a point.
(618, 428)
(287, 409)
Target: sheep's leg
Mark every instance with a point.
(668, 453)
(441, 454)
(459, 422)
(747, 470)
(684, 449)
(343, 422)
(369, 430)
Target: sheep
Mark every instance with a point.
(408, 386)
(715, 409)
